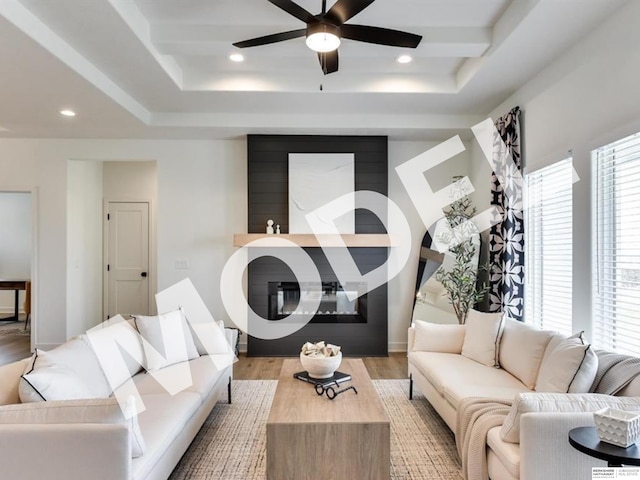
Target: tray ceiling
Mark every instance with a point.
(160, 68)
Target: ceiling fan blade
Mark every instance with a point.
(343, 10)
(276, 37)
(328, 61)
(380, 36)
(294, 9)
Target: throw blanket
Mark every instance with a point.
(475, 417)
(615, 371)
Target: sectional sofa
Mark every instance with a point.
(123, 401)
(511, 393)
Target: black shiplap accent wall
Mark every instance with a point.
(268, 167)
(268, 157)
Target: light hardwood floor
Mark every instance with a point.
(268, 368)
(13, 348)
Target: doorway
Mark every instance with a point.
(91, 186)
(127, 233)
(17, 272)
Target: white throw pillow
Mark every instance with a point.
(166, 340)
(559, 402)
(209, 337)
(569, 366)
(44, 380)
(183, 295)
(117, 346)
(103, 410)
(78, 356)
(521, 350)
(481, 338)
(435, 337)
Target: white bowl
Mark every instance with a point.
(320, 367)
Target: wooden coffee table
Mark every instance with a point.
(312, 437)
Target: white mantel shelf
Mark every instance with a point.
(311, 240)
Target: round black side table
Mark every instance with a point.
(586, 440)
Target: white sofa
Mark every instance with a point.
(537, 425)
(67, 439)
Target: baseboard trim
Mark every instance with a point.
(47, 346)
(395, 347)
(10, 310)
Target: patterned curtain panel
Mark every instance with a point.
(506, 238)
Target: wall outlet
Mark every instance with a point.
(182, 264)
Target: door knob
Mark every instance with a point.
(143, 274)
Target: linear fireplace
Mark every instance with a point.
(359, 334)
(291, 299)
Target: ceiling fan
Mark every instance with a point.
(325, 30)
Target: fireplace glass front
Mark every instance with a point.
(291, 298)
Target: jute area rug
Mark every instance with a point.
(232, 443)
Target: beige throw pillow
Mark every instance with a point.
(569, 366)
(521, 350)
(101, 410)
(559, 402)
(482, 335)
(434, 337)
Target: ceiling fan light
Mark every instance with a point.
(323, 42)
(323, 37)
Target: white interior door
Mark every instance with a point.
(128, 258)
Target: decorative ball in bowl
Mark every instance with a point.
(320, 360)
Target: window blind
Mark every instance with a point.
(549, 246)
(616, 240)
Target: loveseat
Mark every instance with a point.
(104, 416)
(524, 388)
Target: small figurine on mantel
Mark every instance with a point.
(277, 229)
(270, 227)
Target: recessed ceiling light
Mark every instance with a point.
(67, 113)
(404, 59)
(236, 57)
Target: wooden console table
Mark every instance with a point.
(16, 285)
(310, 437)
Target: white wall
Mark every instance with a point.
(587, 98)
(130, 180)
(84, 245)
(402, 288)
(202, 202)
(36, 166)
(15, 243)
